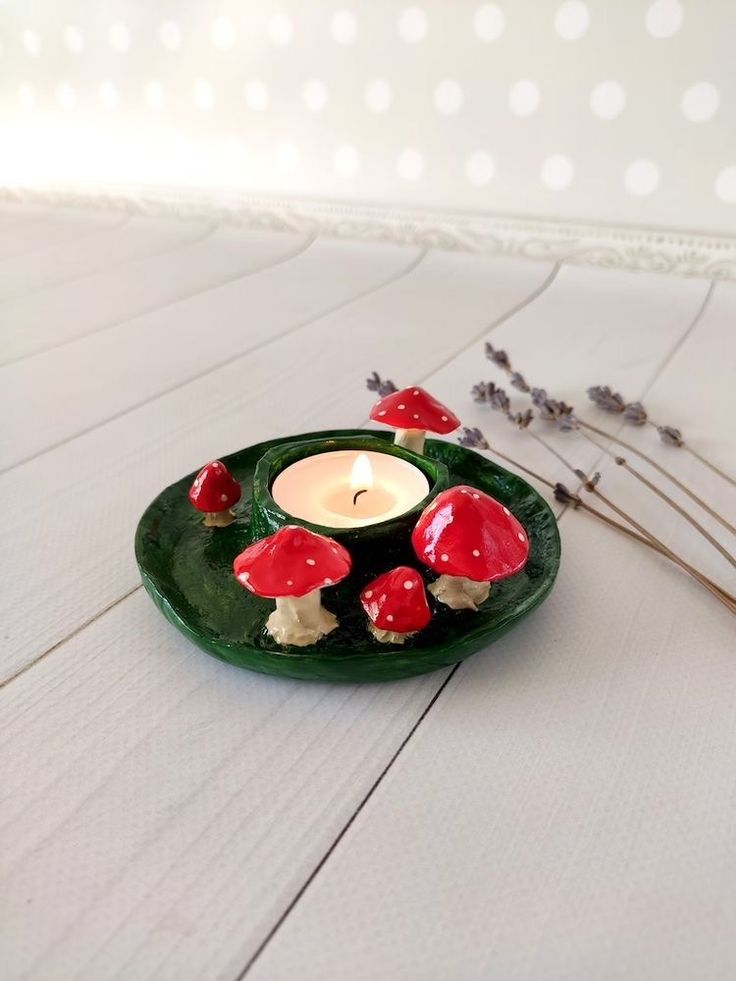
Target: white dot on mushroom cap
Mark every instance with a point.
(476, 497)
(311, 562)
(444, 557)
(402, 406)
(328, 582)
(408, 584)
(368, 593)
(444, 418)
(415, 416)
(245, 576)
(289, 582)
(390, 618)
(506, 511)
(223, 497)
(416, 391)
(382, 413)
(476, 553)
(521, 537)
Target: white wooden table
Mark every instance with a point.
(559, 806)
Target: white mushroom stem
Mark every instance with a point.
(411, 439)
(389, 636)
(460, 593)
(219, 519)
(300, 620)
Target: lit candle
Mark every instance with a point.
(349, 488)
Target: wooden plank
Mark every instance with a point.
(240, 782)
(22, 232)
(49, 320)
(311, 379)
(567, 805)
(134, 238)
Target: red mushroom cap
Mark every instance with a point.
(214, 488)
(414, 408)
(396, 601)
(464, 532)
(293, 562)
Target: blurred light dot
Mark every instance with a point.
(448, 97)
(32, 43)
(256, 95)
(571, 20)
(410, 164)
(26, 96)
(664, 18)
(344, 27)
(73, 39)
(489, 22)
(607, 100)
(223, 32)
(108, 96)
(120, 37)
(700, 102)
(725, 185)
(378, 95)
(346, 161)
(287, 157)
(170, 34)
(480, 168)
(203, 95)
(154, 96)
(557, 172)
(66, 96)
(280, 29)
(412, 25)
(314, 95)
(641, 177)
(524, 98)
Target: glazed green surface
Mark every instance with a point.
(187, 570)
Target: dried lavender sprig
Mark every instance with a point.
(376, 384)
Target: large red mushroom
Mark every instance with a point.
(472, 540)
(413, 413)
(292, 567)
(214, 492)
(396, 604)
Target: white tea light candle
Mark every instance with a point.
(349, 488)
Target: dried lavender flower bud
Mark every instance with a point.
(481, 391)
(635, 413)
(376, 384)
(606, 399)
(566, 418)
(500, 400)
(473, 438)
(499, 358)
(565, 496)
(548, 409)
(518, 381)
(670, 435)
(539, 396)
(522, 419)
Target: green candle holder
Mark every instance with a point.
(187, 568)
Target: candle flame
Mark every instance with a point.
(361, 477)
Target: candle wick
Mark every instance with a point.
(357, 494)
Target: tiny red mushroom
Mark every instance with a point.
(396, 605)
(413, 412)
(472, 540)
(292, 567)
(215, 491)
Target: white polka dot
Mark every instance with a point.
(314, 95)
(32, 43)
(287, 157)
(415, 416)
(245, 576)
(170, 34)
(382, 412)
(344, 27)
(66, 96)
(607, 100)
(328, 582)
(557, 172)
(641, 177)
(444, 418)
(390, 618)
(410, 167)
(154, 96)
(73, 39)
(223, 497)
(289, 582)
(664, 18)
(119, 38)
(280, 29)
(402, 406)
(488, 22)
(378, 95)
(521, 537)
(415, 392)
(108, 96)
(476, 553)
(26, 97)
(725, 185)
(412, 25)
(506, 511)
(571, 20)
(476, 497)
(524, 98)
(256, 95)
(448, 97)
(368, 593)
(444, 557)
(203, 95)
(310, 562)
(223, 33)
(408, 584)
(346, 161)
(480, 168)
(700, 102)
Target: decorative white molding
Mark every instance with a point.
(682, 253)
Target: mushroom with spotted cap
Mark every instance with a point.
(472, 540)
(214, 492)
(413, 412)
(396, 604)
(292, 567)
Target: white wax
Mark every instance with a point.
(322, 488)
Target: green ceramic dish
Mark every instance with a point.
(187, 568)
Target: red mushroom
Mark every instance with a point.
(292, 567)
(413, 412)
(472, 540)
(215, 491)
(396, 605)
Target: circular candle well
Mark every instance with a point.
(349, 488)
